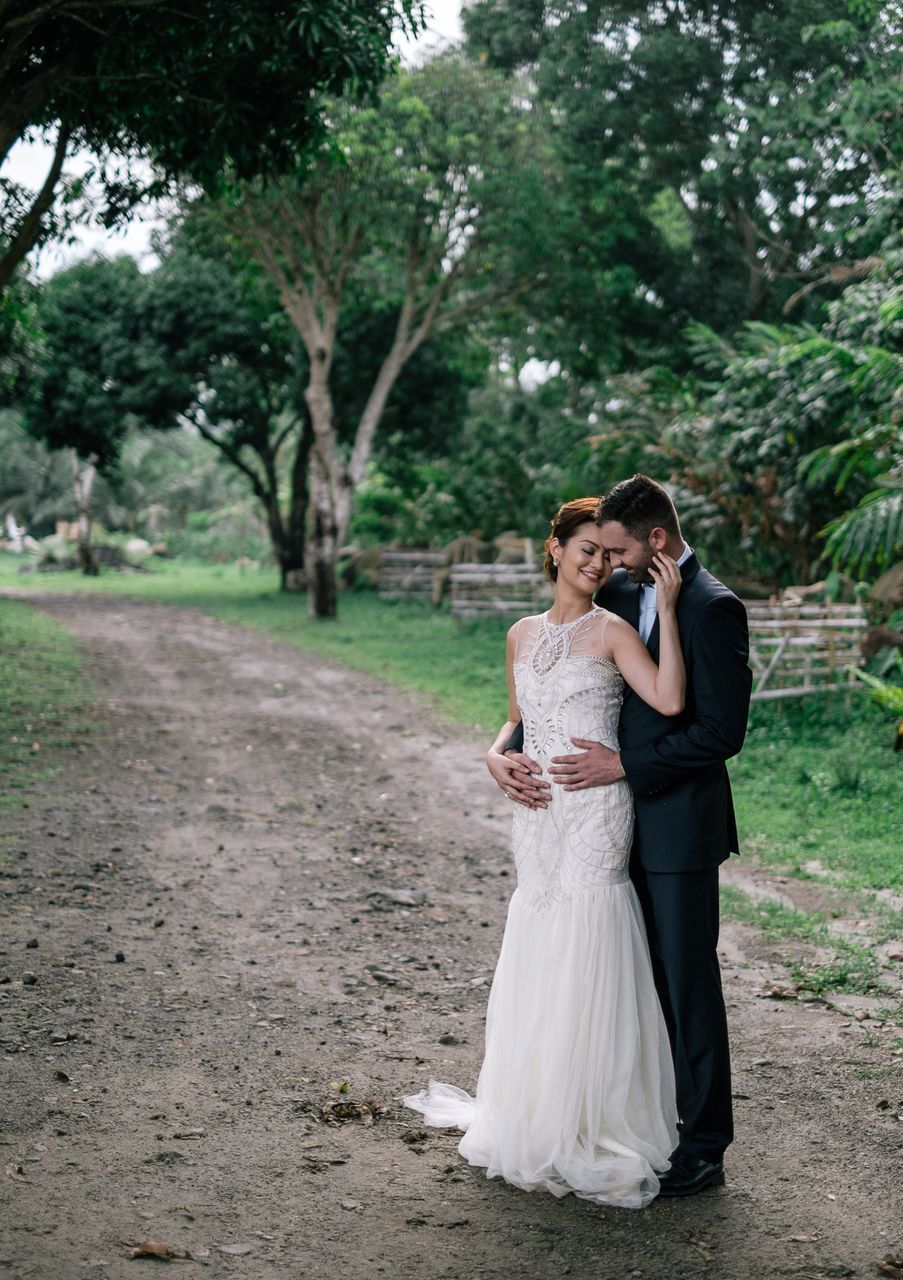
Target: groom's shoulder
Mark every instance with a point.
(705, 588)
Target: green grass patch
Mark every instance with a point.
(45, 699)
(818, 782)
(849, 966)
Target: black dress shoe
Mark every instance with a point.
(689, 1174)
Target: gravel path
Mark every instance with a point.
(262, 904)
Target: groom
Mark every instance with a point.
(685, 821)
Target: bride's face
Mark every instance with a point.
(582, 560)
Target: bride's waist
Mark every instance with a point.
(545, 759)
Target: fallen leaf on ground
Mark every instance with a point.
(892, 1265)
(342, 1109)
(803, 1239)
(16, 1172)
(700, 1246)
(155, 1249)
(235, 1250)
(778, 992)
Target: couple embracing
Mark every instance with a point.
(606, 1069)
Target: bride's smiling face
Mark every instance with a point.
(582, 559)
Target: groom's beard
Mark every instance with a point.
(641, 572)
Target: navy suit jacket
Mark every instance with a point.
(676, 764)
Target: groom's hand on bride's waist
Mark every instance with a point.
(518, 776)
(595, 766)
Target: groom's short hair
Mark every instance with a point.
(640, 504)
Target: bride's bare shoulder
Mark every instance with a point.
(604, 629)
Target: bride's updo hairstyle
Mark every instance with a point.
(565, 520)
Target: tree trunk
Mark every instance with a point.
(292, 564)
(83, 477)
(322, 546)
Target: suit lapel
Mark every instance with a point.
(652, 642)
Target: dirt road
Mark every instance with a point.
(271, 892)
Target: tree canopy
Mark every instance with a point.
(197, 87)
(756, 145)
(425, 202)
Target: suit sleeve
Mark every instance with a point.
(516, 741)
(721, 681)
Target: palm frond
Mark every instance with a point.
(864, 454)
(871, 535)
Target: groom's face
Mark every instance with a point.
(627, 552)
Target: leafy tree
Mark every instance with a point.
(420, 202)
(865, 339)
(217, 352)
(220, 353)
(35, 482)
(794, 416)
(520, 453)
(79, 384)
(199, 86)
(756, 146)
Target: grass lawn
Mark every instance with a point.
(818, 789)
(45, 700)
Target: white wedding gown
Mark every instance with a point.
(576, 1091)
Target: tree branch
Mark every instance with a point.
(30, 226)
(234, 455)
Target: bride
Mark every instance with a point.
(576, 1091)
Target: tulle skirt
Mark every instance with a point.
(576, 1091)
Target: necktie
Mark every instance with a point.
(647, 611)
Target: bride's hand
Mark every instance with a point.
(667, 581)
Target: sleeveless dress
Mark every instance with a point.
(576, 1091)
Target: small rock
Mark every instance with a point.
(401, 897)
(32, 944)
(380, 975)
(59, 1035)
(352, 1204)
(448, 1038)
(235, 1250)
(28, 978)
(120, 957)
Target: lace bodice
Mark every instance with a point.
(567, 687)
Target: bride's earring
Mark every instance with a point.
(555, 563)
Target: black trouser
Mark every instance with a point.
(681, 913)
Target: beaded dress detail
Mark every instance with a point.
(576, 1091)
